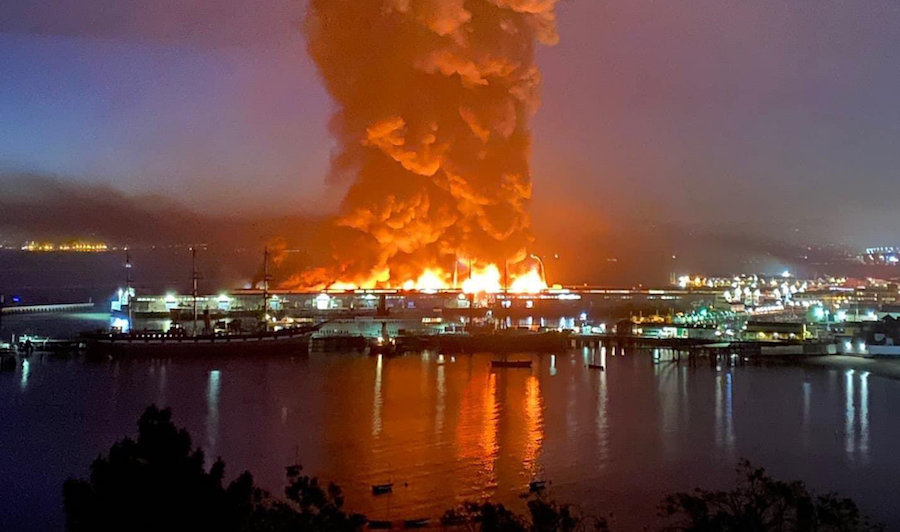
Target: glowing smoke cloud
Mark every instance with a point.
(434, 101)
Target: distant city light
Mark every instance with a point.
(75, 247)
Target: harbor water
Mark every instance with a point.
(447, 428)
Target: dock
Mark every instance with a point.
(47, 309)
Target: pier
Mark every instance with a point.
(47, 309)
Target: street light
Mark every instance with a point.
(543, 268)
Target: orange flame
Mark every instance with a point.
(485, 279)
(529, 283)
(431, 279)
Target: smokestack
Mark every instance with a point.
(434, 101)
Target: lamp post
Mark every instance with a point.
(543, 267)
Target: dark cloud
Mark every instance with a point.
(628, 252)
(43, 207)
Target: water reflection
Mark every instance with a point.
(26, 370)
(161, 397)
(441, 394)
(856, 416)
(849, 415)
(378, 401)
(212, 411)
(488, 441)
(603, 432)
(807, 403)
(472, 432)
(724, 424)
(666, 378)
(864, 415)
(534, 425)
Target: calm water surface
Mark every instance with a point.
(612, 442)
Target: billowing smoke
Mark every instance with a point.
(434, 101)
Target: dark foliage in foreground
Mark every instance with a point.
(543, 516)
(159, 482)
(760, 502)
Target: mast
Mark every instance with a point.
(194, 279)
(266, 278)
(128, 286)
(506, 276)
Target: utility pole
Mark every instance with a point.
(506, 276)
(194, 278)
(2, 301)
(128, 286)
(266, 278)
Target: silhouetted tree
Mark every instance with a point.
(544, 515)
(309, 507)
(158, 482)
(761, 503)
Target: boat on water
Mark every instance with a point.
(157, 344)
(537, 486)
(178, 343)
(383, 348)
(382, 489)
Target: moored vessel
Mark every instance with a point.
(151, 344)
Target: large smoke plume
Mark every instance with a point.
(434, 101)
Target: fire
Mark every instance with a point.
(431, 279)
(343, 286)
(485, 280)
(433, 107)
(529, 283)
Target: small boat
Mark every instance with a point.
(597, 366)
(511, 363)
(386, 348)
(537, 486)
(382, 489)
(416, 523)
(380, 525)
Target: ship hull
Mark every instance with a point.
(164, 346)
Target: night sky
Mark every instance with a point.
(772, 117)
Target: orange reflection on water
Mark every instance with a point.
(534, 425)
(378, 400)
(475, 434)
(487, 443)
